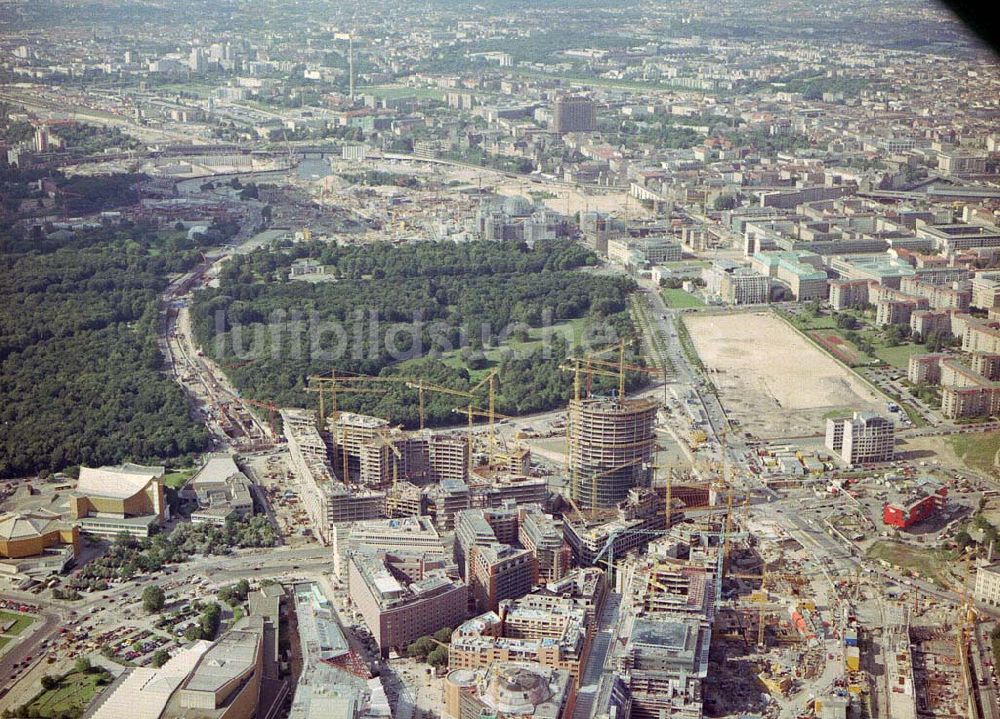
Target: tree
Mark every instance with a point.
(153, 599)
(49, 682)
(438, 657)
(82, 665)
(193, 633)
(443, 635)
(161, 657)
(724, 202)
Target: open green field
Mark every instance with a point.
(976, 449)
(21, 622)
(899, 356)
(679, 299)
(928, 563)
(176, 480)
(74, 692)
(571, 330)
(838, 414)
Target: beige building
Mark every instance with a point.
(987, 588)
(986, 290)
(111, 500)
(864, 439)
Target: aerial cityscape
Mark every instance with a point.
(498, 359)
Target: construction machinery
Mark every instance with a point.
(272, 414)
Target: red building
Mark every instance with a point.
(897, 514)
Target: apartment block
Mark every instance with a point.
(986, 290)
(925, 368)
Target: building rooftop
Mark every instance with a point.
(229, 657)
(21, 525)
(142, 692)
(119, 482)
(216, 470)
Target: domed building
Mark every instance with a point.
(508, 690)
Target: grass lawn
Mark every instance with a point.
(21, 622)
(176, 480)
(571, 330)
(839, 414)
(929, 563)
(679, 299)
(976, 449)
(4, 641)
(899, 356)
(74, 691)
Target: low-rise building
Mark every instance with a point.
(915, 503)
(221, 490)
(36, 542)
(801, 272)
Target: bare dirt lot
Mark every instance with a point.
(772, 380)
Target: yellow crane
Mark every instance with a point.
(471, 413)
(336, 384)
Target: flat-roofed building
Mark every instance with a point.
(925, 368)
(987, 588)
(881, 268)
(952, 296)
(398, 612)
(848, 293)
(923, 323)
(863, 439)
(665, 660)
(986, 290)
(966, 392)
(543, 536)
(801, 272)
(574, 113)
(390, 535)
(221, 490)
(981, 336)
(743, 286)
(225, 683)
(500, 571)
(951, 239)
